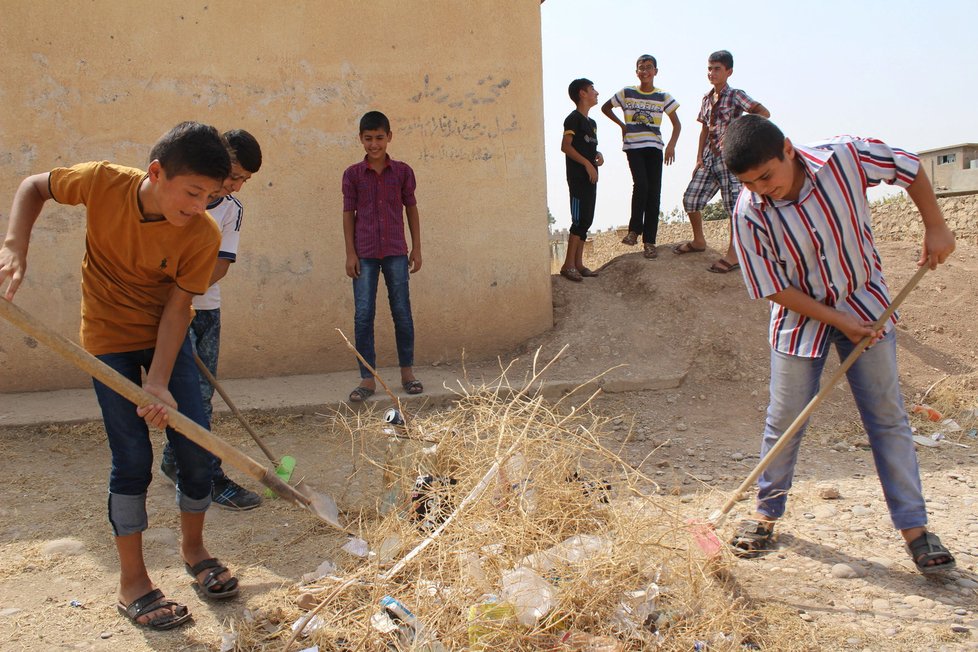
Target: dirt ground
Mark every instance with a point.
(840, 568)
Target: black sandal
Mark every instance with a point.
(753, 538)
(361, 394)
(211, 587)
(413, 386)
(926, 548)
(154, 601)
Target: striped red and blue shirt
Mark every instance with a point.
(822, 243)
(378, 201)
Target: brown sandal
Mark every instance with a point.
(753, 538)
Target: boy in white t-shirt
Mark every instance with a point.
(205, 330)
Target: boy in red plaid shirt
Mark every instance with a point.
(718, 108)
(377, 192)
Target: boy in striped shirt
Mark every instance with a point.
(803, 234)
(641, 134)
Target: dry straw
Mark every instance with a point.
(516, 488)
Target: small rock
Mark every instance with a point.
(824, 511)
(105, 635)
(9, 611)
(736, 457)
(806, 617)
(828, 492)
(840, 447)
(960, 629)
(845, 571)
(966, 583)
(67, 547)
(682, 427)
(960, 612)
(860, 510)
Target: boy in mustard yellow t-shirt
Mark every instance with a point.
(149, 248)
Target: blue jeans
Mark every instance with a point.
(205, 338)
(876, 390)
(132, 450)
(395, 269)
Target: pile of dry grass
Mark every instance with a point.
(528, 534)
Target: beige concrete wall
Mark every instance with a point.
(461, 82)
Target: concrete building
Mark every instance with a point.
(461, 82)
(953, 170)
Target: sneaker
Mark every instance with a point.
(169, 469)
(229, 494)
(631, 239)
(650, 251)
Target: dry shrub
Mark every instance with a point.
(516, 477)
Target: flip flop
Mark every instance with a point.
(686, 248)
(360, 394)
(723, 267)
(413, 386)
(153, 601)
(205, 587)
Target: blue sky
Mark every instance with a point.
(895, 70)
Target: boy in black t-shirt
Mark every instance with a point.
(580, 145)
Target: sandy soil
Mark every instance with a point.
(840, 569)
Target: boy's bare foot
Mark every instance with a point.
(688, 247)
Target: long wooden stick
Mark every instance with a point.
(140, 397)
(376, 376)
(234, 410)
(718, 516)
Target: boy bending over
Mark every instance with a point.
(803, 235)
(149, 249)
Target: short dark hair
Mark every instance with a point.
(751, 141)
(374, 120)
(193, 148)
(722, 57)
(647, 57)
(575, 88)
(244, 149)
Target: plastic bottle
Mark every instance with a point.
(532, 596)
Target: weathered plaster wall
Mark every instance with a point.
(460, 80)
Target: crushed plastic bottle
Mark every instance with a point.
(532, 596)
(571, 551)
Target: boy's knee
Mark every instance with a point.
(127, 514)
